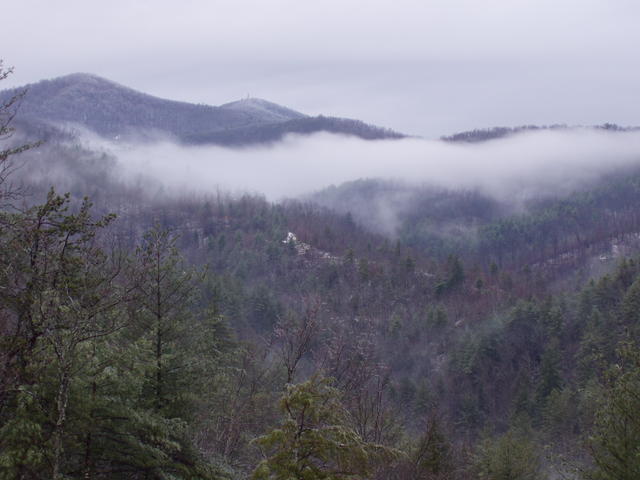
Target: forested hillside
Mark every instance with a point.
(150, 335)
(115, 111)
(566, 230)
(483, 135)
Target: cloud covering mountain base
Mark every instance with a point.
(513, 168)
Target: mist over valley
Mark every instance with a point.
(183, 149)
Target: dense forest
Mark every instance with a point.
(150, 336)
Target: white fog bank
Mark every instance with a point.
(515, 167)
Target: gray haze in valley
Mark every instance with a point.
(420, 67)
(511, 169)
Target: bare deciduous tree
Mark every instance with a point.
(8, 111)
(296, 336)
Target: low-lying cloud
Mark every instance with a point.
(514, 168)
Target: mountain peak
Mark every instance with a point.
(80, 80)
(258, 107)
(84, 77)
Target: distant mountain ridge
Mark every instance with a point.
(486, 134)
(113, 110)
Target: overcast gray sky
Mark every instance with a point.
(427, 67)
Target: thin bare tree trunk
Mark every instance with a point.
(62, 400)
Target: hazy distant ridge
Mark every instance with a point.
(112, 110)
(485, 134)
